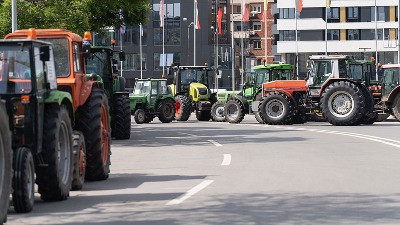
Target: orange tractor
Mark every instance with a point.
(90, 103)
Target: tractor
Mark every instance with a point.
(101, 63)
(337, 85)
(40, 120)
(239, 105)
(90, 101)
(151, 98)
(190, 86)
(5, 161)
(390, 89)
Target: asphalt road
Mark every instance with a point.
(219, 173)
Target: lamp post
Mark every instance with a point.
(188, 36)
(215, 33)
(364, 51)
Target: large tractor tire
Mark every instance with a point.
(23, 181)
(234, 111)
(140, 116)
(5, 163)
(370, 116)
(94, 123)
(203, 115)
(257, 113)
(149, 117)
(78, 178)
(166, 110)
(183, 108)
(276, 108)
(217, 112)
(342, 103)
(396, 107)
(55, 177)
(121, 120)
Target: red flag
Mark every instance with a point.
(264, 15)
(245, 12)
(161, 13)
(299, 5)
(197, 24)
(219, 21)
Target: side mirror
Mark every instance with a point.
(85, 50)
(45, 53)
(122, 56)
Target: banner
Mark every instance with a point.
(197, 24)
(245, 12)
(162, 13)
(299, 5)
(328, 3)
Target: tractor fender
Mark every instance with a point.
(333, 80)
(394, 93)
(242, 99)
(61, 98)
(86, 90)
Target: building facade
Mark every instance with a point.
(347, 27)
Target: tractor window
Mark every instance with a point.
(281, 74)
(321, 70)
(154, 90)
(97, 63)
(391, 76)
(142, 87)
(39, 70)
(15, 70)
(77, 61)
(262, 76)
(356, 71)
(61, 55)
(188, 76)
(163, 87)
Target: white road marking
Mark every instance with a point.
(215, 143)
(227, 160)
(190, 193)
(193, 135)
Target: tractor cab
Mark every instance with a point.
(390, 82)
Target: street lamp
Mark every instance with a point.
(215, 33)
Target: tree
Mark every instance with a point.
(74, 15)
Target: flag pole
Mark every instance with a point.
(141, 57)
(265, 30)
(233, 50)
(376, 43)
(14, 15)
(241, 41)
(216, 39)
(297, 50)
(194, 32)
(326, 30)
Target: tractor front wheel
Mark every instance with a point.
(121, 120)
(183, 107)
(140, 116)
(342, 103)
(203, 115)
(54, 179)
(217, 111)
(234, 111)
(23, 182)
(166, 110)
(79, 161)
(396, 107)
(276, 108)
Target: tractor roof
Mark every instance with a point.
(391, 66)
(322, 57)
(46, 33)
(24, 40)
(275, 66)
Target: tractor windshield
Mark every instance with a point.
(262, 76)
(15, 70)
(142, 88)
(320, 71)
(97, 63)
(61, 55)
(193, 75)
(356, 71)
(279, 74)
(391, 78)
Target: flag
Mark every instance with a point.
(161, 13)
(328, 3)
(219, 21)
(197, 24)
(245, 12)
(264, 15)
(299, 5)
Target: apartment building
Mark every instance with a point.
(347, 27)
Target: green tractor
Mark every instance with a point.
(151, 98)
(190, 86)
(101, 64)
(239, 105)
(40, 122)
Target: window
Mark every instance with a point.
(286, 13)
(333, 34)
(169, 58)
(256, 8)
(257, 44)
(238, 9)
(353, 34)
(77, 62)
(132, 62)
(352, 14)
(256, 26)
(287, 35)
(332, 13)
(172, 30)
(380, 12)
(61, 55)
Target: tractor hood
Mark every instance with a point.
(286, 84)
(199, 92)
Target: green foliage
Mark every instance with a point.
(75, 15)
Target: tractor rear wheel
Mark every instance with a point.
(23, 181)
(342, 103)
(94, 123)
(276, 108)
(234, 111)
(183, 108)
(121, 120)
(203, 115)
(5, 163)
(166, 110)
(257, 113)
(217, 112)
(54, 179)
(396, 107)
(140, 116)
(370, 116)
(78, 177)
